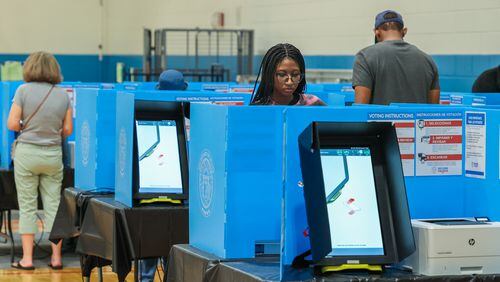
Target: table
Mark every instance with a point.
(111, 233)
(187, 263)
(8, 201)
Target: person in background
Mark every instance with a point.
(171, 80)
(168, 80)
(392, 70)
(283, 79)
(42, 114)
(488, 81)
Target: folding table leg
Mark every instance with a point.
(11, 234)
(3, 236)
(99, 270)
(136, 270)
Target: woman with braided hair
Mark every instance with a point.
(283, 80)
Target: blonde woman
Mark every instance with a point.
(42, 114)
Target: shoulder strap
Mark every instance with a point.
(25, 124)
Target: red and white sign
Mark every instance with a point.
(405, 130)
(439, 147)
(241, 90)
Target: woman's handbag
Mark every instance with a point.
(24, 124)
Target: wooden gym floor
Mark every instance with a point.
(43, 273)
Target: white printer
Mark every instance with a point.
(455, 246)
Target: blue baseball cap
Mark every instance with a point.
(171, 80)
(381, 19)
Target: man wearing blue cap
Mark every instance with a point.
(392, 70)
(171, 80)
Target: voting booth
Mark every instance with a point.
(150, 152)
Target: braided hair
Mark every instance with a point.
(270, 62)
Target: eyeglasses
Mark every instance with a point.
(294, 77)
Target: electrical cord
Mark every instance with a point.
(81, 267)
(158, 271)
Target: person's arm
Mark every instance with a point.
(435, 89)
(433, 96)
(15, 114)
(68, 123)
(362, 94)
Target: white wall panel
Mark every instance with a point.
(317, 27)
(58, 26)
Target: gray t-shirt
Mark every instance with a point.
(45, 127)
(396, 72)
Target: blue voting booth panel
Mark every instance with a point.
(315, 87)
(338, 87)
(8, 90)
(123, 147)
(466, 99)
(136, 86)
(94, 85)
(491, 98)
(236, 178)
(483, 194)
(71, 89)
(469, 99)
(210, 86)
(335, 99)
(242, 88)
(95, 133)
(194, 97)
(444, 98)
(348, 97)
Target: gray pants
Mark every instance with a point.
(37, 167)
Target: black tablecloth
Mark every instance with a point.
(8, 195)
(189, 264)
(71, 212)
(113, 233)
(186, 263)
